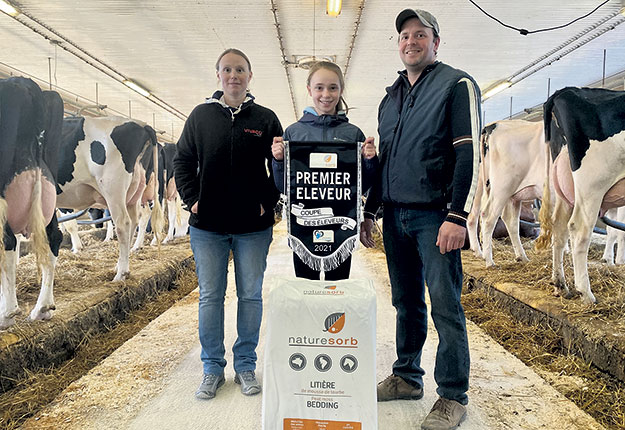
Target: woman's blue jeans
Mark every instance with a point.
(211, 251)
(413, 257)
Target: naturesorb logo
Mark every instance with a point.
(334, 323)
(323, 236)
(328, 290)
(323, 160)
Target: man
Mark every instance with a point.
(429, 127)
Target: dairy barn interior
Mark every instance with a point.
(126, 354)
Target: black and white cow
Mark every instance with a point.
(177, 217)
(104, 163)
(30, 130)
(149, 196)
(512, 172)
(615, 237)
(585, 128)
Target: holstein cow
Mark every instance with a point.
(178, 218)
(71, 226)
(30, 129)
(149, 196)
(585, 130)
(512, 172)
(103, 163)
(615, 236)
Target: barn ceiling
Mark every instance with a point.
(86, 48)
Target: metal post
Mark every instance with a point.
(510, 117)
(50, 72)
(548, 87)
(603, 78)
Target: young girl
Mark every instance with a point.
(326, 120)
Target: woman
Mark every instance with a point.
(221, 175)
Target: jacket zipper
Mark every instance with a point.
(231, 145)
(325, 129)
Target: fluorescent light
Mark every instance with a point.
(8, 9)
(497, 88)
(333, 7)
(137, 88)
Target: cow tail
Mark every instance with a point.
(483, 143)
(3, 211)
(36, 221)
(178, 201)
(543, 241)
(158, 219)
(3, 220)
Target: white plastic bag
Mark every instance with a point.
(319, 366)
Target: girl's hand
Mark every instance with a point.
(368, 149)
(277, 148)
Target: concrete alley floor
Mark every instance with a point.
(149, 383)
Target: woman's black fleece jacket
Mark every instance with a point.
(223, 162)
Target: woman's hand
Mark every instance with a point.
(194, 208)
(368, 149)
(277, 148)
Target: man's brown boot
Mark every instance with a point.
(445, 415)
(395, 388)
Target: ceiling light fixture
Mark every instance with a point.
(134, 86)
(9, 9)
(333, 7)
(307, 61)
(496, 88)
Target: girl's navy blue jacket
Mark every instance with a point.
(325, 128)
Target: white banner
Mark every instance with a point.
(320, 216)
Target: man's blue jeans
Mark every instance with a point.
(211, 251)
(412, 257)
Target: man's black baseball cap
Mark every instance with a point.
(426, 18)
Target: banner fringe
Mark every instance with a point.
(327, 263)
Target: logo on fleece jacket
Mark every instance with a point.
(257, 133)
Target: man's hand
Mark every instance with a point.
(277, 148)
(366, 233)
(450, 236)
(368, 149)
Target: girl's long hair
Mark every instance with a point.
(328, 65)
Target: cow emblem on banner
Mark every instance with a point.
(323, 197)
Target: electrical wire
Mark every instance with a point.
(524, 31)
